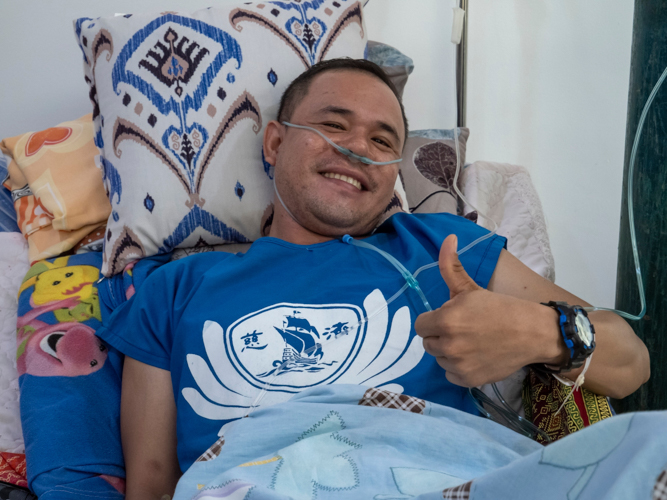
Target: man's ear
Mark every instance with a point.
(273, 138)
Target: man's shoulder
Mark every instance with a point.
(414, 234)
(201, 259)
(430, 230)
(190, 267)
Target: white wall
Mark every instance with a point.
(424, 34)
(547, 89)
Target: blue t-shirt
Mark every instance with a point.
(287, 317)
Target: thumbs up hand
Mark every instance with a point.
(452, 270)
(478, 336)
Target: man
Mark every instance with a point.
(303, 286)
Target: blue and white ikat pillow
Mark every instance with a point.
(180, 104)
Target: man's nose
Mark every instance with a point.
(356, 143)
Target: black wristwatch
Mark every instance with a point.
(578, 334)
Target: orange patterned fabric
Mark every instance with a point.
(50, 136)
(32, 215)
(12, 469)
(57, 186)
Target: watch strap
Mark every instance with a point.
(572, 337)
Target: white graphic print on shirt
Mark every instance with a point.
(316, 344)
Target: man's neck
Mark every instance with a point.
(284, 227)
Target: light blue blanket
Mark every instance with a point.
(352, 442)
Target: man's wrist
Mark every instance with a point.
(553, 351)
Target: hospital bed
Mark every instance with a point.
(500, 192)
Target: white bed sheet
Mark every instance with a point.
(505, 193)
(13, 267)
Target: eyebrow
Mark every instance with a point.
(337, 110)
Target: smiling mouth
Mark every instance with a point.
(343, 178)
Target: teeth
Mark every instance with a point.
(344, 178)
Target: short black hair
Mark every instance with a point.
(299, 87)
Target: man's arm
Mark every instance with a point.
(620, 362)
(148, 431)
(482, 336)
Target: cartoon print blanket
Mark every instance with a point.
(68, 378)
(345, 441)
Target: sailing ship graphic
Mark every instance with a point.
(374, 352)
(301, 340)
(303, 345)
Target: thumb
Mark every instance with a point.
(452, 270)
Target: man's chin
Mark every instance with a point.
(332, 217)
(337, 226)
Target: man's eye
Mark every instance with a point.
(333, 125)
(382, 142)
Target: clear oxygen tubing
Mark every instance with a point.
(631, 211)
(407, 275)
(280, 199)
(343, 150)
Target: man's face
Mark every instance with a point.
(328, 192)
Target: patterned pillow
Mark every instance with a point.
(56, 186)
(180, 103)
(397, 65)
(428, 168)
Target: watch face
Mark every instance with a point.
(584, 329)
